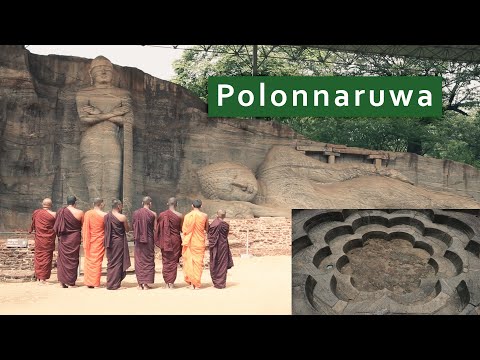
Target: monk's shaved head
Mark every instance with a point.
(116, 204)
(147, 200)
(47, 202)
(97, 201)
(221, 214)
(172, 201)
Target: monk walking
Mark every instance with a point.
(42, 224)
(220, 254)
(168, 239)
(143, 223)
(68, 227)
(194, 227)
(115, 242)
(93, 232)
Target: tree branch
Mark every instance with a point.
(455, 108)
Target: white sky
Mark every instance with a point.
(153, 60)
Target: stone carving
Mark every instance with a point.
(174, 141)
(228, 181)
(385, 262)
(289, 179)
(104, 109)
(233, 187)
(243, 209)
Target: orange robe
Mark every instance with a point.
(93, 232)
(193, 246)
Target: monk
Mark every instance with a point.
(143, 224)
(220, 254)
(93, 232)
(115, 242)
(194, 227)
(68, 227)
(42, 224)
(168, 239)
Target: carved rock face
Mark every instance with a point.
(102, 109)
(228, 181)
(41, 155)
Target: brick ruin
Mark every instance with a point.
(16, 263)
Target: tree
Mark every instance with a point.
(197, 64)
(431, 137)
(456, 138)
(461, 90)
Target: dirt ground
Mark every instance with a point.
(258, 285)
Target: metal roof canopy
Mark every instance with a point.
(455, 53)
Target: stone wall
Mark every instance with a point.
(266, 236)
(16, 264)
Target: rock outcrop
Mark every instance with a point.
(173, 140)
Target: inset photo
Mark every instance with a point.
(379, 262)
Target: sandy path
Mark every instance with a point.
(259, 285)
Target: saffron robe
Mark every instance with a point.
(193, 243)
(93, 232)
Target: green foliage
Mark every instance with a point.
(378, 134)
(196, 65)
(454, 136)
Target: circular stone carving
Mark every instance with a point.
(385, 262)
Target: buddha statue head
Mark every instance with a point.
(228, 181)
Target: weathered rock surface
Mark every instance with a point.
(308, 183)
(40, 135)
(228, 181)
(173, 140)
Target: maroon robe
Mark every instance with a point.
(68, 229)
(118, 256)
(220, 254)
(143, 224)
(42, 224)
(168, 239)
